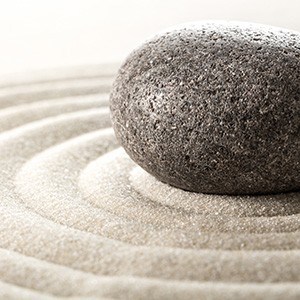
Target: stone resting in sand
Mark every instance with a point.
(213, 107)
(81, 220)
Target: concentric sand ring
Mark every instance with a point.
(80, 219)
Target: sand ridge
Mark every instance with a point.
(80, 219)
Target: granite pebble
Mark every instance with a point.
(213, 107)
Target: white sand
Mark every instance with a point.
(80, 219)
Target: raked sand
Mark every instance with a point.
(80, 220)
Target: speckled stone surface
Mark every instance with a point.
(213, 107)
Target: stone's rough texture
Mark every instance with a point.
(213, 107)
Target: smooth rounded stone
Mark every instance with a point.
(213, 107)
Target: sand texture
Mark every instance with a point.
(80, 219)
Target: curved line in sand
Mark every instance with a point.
(110, 227)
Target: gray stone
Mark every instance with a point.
(213, 107)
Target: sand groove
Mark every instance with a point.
(75, 207)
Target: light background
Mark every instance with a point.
(39, 34)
